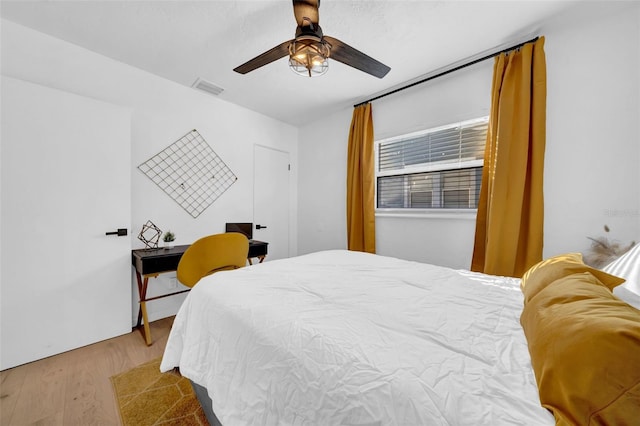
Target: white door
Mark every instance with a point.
(271, 200)
(66, 179)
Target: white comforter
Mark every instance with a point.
(348, 338)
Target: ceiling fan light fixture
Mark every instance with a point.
(309, 57)
(309, 51)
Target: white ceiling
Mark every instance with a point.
(186, 40)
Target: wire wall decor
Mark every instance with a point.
(190, 172)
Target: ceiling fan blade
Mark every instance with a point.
(346, 54)
(267, 57)
(306, 9)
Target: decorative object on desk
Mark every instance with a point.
(604, 251)
(150, 235)
(168, 238)
(189, 172)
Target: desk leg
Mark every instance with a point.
(142, 310)
(260, 259)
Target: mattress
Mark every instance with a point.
(349, 338)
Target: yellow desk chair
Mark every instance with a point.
(211, 254)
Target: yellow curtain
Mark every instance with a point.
(361, 225)
(509, 225)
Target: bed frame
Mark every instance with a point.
(206, 403)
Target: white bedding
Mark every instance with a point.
(348, 338)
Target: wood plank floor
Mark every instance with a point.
(73, 388)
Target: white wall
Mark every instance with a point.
(441, 239)
(162, 112)
(322, 203)
(592, 154)
(593, 134)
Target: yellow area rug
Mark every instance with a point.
(147, 397)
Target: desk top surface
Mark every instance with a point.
(176, 250)
(160, 252)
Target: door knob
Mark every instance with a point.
(261, 227)
(121, 232)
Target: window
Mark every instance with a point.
(437, 168)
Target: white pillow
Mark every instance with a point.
(627, 266)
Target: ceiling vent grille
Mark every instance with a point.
(207, 86)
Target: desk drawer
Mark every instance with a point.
(160, 264)
(152, 261)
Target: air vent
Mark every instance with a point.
(207, 86)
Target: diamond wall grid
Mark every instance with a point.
(190, 172)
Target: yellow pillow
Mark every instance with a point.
(544, 273)
(585, 352)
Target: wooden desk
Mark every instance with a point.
(150, 263)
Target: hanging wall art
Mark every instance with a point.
(190, 172)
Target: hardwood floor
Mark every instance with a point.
(73, 388)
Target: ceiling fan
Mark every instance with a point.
(309, 50)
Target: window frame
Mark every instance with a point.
(434, 212)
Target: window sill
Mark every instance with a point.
(464, 214)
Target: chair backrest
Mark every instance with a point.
(211, 254)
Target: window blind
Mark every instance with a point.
(437, 168)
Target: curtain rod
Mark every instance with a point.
(459, 67)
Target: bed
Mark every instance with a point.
(349, 338)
